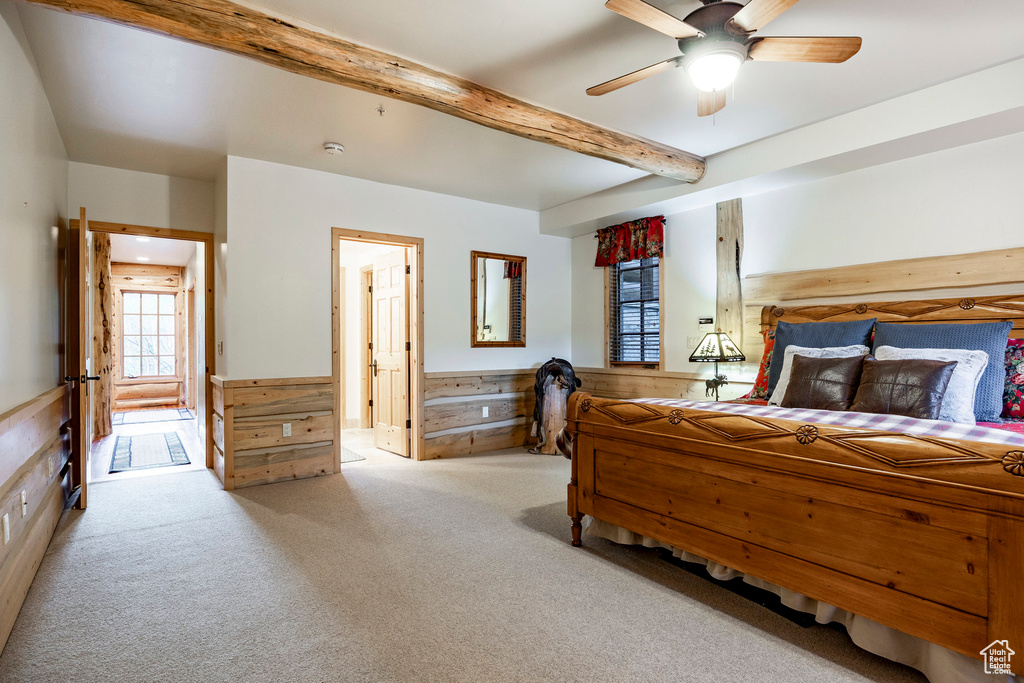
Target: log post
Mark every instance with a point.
(729, 251)
(102, 339)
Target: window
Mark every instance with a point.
(148, 334)
(634, 321)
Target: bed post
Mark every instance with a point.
(573, 502)
(1005, 569)
(574, 508)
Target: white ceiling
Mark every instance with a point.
(133, 100)
(156, 251)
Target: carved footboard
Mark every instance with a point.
(922, 534)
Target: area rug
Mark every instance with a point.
(350, 456)
(147, 451)
(141, 416)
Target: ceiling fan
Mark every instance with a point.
(715, 41)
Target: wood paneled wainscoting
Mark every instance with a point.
(454, 402)
(35, 449)
(453, 411)
(638, 383)
(249, 417)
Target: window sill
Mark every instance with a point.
(155, 379)
(630, 364)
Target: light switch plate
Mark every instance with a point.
(24, 504)
(286, 429)
(49, 467)
(7, 529)
(487, 411)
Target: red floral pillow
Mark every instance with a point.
(1013, 394)
(760, 390)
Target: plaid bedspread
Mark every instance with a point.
(868, 421)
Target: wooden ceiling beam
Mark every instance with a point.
(249, 32)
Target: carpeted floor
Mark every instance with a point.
(447, 570)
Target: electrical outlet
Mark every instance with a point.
(286, 429)
(487, 411)
(7, 529)
(24, 504)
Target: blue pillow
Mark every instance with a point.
(815, 336)
(988, 337)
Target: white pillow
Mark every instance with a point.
(787, 364)
(958, 402)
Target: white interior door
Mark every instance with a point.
(390, 353)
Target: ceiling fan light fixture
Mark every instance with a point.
(715, 68)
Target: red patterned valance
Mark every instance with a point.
(644, 238)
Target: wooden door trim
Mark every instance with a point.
(365, 334)
(77, 353)
(190, 333)
(189, 236)
(417, 444)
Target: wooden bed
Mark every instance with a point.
(921, 534)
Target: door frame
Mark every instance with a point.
(365, 335)
(190, 334)
(189, 236)
(417, 441)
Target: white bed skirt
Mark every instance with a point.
(937, 663)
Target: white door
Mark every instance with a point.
(390, 365)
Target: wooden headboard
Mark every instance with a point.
(982, 309)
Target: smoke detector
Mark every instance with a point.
(334, 148)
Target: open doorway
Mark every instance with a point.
(149, 307)
(377, 329)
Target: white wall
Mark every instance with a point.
(115, 195)
(279, 230)
(33, 204)
(689, 272)
(195, 273)
(951, 202)
(218, 362)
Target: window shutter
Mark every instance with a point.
(635, 312)
(515, 309)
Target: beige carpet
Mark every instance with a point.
(454, 570)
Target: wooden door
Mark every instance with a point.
(78, 345)
(390, 353)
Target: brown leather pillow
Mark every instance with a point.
(911, 387)
(823, 383)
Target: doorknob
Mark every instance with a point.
(69, 378)
(373, 366)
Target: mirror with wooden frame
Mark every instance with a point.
(498, 286)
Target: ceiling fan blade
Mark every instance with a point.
(757, 13)
(651, 16)
(630, 78)
(710, 102)
(830, 50)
